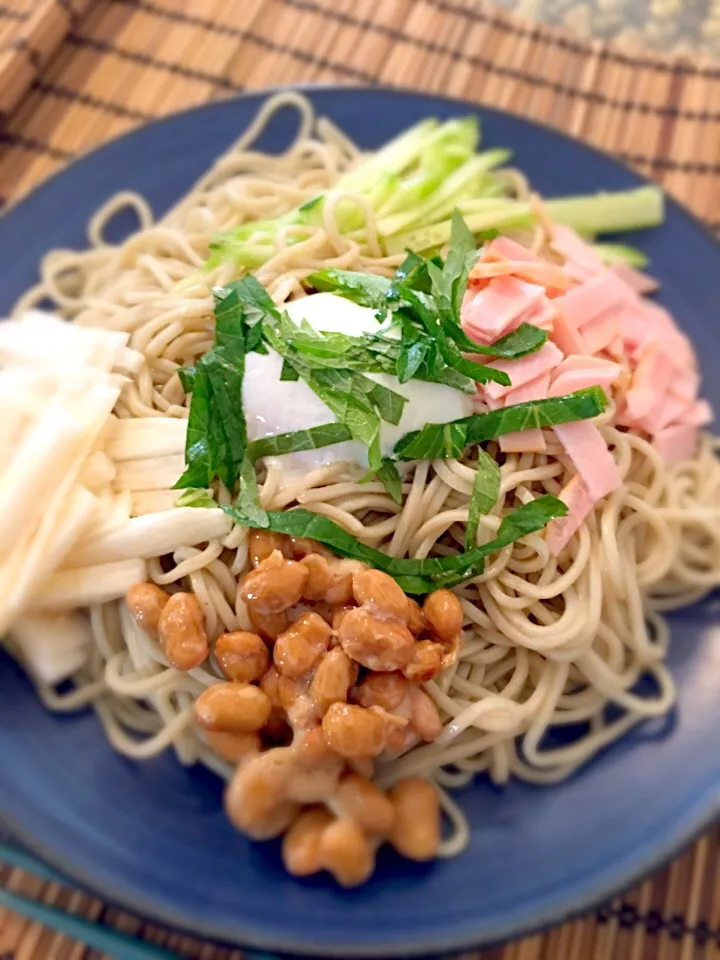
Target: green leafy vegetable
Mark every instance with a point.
(450, 439)
(195, 498)
(199, 462)
(248, 499)
(485, 493)
(414, 576)
(298, 440)
(526, 339)
(388, 475)
(186, 376)
(612, 253)
(365, 289)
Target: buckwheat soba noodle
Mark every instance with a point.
(557, 634)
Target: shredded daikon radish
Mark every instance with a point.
(56, 400)
(44, 455)
(40, 338)
(98, 472)
(153, 535)
(145, 437)
(39, 554)
(52, 646)
(153, 473)
(67, 589)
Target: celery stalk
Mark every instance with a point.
(609, 212)
(468, 180)
(404, 175)
(611, 253)
(504, 213)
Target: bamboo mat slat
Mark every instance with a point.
(100, 68)
(30, 31)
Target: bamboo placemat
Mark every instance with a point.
(127, 61)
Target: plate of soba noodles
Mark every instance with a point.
(360, 522)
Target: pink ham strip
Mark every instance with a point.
(546, 274)
(675, 411)
(579, 254)
(579, 503)
(541, 314)
(700, 414)
(676, 443)
(634, 328)
(685, 383)
(578, 373)
(603, 316)
(531, 440)
(601, 331)
(638, 281)
(589, 300)
(567, 337)
(672, 410)
(486, 314)
(524, 370)
(586, 448)
(650, 382)
(662, 328)
(616, 348)
(503, 248)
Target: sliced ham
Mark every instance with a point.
(676, 443)
(672, 409)
(589, 300)
(638, 281)
(616, 347)
(486, 314)
(503, 248)
(700, 414)
(547, 274)
(601, 331)
(663, 329)
(634, 328)
(579, 503)
(578, 373)
(582, 259)
(567, 337)
(685, 383)
(591, 458)
(524, 370)
(650, 382)
(542, 314)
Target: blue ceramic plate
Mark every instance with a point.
(152, 836)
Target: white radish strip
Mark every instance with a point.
(154, 535)
(113, 510)
(42, 551)
(53, 646)
(49, 533)
(47, 451)
(127, 360)
(68, 589)
(155, 473)
(39, 338)
(145, 437)
(98, 472)
(154, 501)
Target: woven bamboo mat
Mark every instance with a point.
(73, 74)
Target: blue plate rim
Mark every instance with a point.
(703, 815)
